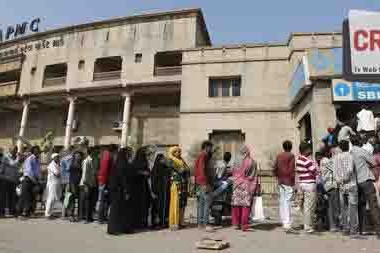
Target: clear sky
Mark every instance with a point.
(228, 21)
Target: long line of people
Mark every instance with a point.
(124, 188)
(127, 189)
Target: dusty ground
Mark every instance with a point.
(40, 235)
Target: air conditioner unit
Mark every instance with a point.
(75, 125)
(117, 125)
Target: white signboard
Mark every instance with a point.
(364, 30)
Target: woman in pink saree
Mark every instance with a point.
(244, 183)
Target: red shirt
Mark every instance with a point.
(284, 168)
(200, 167)
(106, 165)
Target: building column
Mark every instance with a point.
(24, 120)
(323, 114)
(69, 122)
(124, 126)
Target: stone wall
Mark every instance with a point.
(264, 131)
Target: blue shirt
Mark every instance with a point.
(329, 138)
(65, 165)
(32, 168)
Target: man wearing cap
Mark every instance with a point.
(53, 186)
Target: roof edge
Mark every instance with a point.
(268, 44)
(109, 22)
(297, 34)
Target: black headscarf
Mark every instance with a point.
(140, 162)
(119, 177)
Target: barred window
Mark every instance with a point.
(224, 87)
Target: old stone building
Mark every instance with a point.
(156, 78)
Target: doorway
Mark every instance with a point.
(227, 141)
(304, 126)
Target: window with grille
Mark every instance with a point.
(224, 87)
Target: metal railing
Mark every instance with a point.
(8, 83)
(54, 81)
(100, 76)
(167, 71)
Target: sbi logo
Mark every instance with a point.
(342, 90)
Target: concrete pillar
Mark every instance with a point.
(24, 120)
(69, 122)
(124, 126)
(323, 113)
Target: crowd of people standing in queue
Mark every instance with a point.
(125, 190)
(128, 188)
(339, 189)
(133, 191)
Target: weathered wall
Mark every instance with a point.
(264, 131)
(123, 40)
(323, 113)
(9, 127)
(264, 72)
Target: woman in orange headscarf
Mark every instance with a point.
(179, 187)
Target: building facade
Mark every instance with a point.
(157, 79)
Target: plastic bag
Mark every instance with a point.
(257, 213)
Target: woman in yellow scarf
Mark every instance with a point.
(179, 187)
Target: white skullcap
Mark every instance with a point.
(54, 155)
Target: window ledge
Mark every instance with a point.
(167, 71)
(8, 83)
(100, 76)
(56, 81)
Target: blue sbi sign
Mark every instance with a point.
(355, 91)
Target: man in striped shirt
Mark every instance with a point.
(306, 170)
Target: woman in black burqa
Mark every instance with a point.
(121, 217)
(161, 175)
(142, 188)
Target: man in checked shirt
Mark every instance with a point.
(364, 164)
(343, 167)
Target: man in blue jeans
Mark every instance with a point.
(107, 164)
(65, 176)
(204, 179)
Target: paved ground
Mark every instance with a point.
(42, 236)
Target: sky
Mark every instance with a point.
(228, 21)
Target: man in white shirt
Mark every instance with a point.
(53, 185)
(366, 121)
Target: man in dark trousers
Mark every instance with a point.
(32, 174)
(10, 166)
(364, 163)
